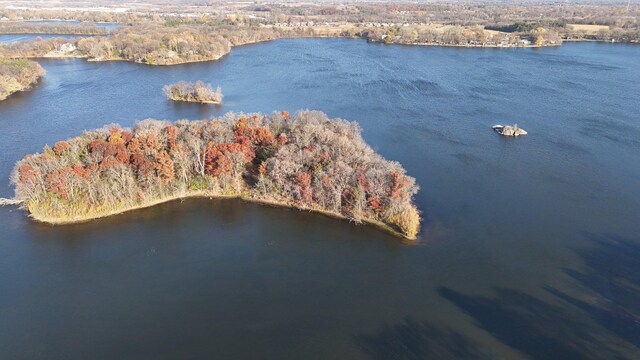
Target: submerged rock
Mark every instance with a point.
(509, 130)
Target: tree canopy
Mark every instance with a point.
(307, 161)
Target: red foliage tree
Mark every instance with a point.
(26, 173)
(362, 180)
(80, 171)
(243, 140)
(134, 146)
(56, 181)
(109, 162)
(398, 184)
(282, 139)
(216, 160)
(61, 147)
(247, 153)
(255, 121)
(92, 167)
(327, 181)
(149, 143)
(121, 154)
(375, 204)
(126, 136)
(303, 179)
(164, 167)
(114, 148)
(243, 131)
(171, 137)
(141, 164)
(263, 137)
(99, 147)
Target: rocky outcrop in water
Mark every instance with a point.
(509, 130)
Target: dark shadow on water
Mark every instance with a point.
(212, 216)
(18, 98)
(536, 328)
(413, 339)
(198, 111)
(175, 214)
(612, 275)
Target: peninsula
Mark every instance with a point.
(306, 161)
(18, 75)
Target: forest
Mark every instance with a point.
(193, 92)
(18, 75)
(22, 27)
(306, 161)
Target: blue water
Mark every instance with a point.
(529, 247)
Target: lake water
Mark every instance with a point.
(529, 250)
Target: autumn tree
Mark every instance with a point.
(164, 167)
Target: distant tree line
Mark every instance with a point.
(516, 27)
(35, 28)
(460, 36)
(18, 75)
(617, 15)
(307, 161)
(55, 14)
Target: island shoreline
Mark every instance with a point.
(202, 195)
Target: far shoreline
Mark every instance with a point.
(87, 58)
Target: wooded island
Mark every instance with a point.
(193, 92)
(306, 161)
